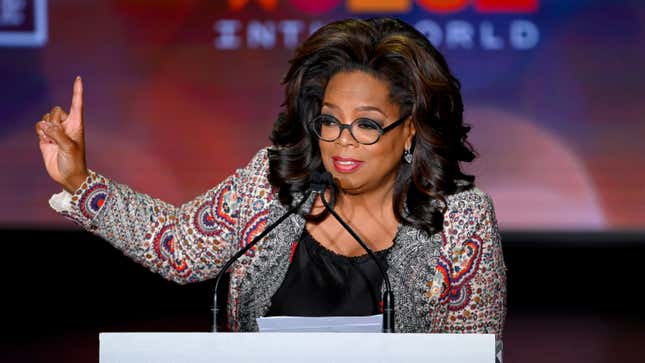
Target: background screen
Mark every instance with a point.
(178, 94)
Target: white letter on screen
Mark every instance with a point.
(226, 34)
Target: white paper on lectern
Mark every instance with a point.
(295, 347)
(321, 324)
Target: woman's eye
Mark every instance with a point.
(329, 121)
(367, 124)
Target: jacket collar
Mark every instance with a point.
(412, 263)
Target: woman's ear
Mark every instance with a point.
(411, 131)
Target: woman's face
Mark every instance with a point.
(359, 168)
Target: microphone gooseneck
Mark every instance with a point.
(388, 296)
(319, 183)
(243, 250)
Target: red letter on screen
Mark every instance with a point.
(315, 7)
(379, 6)
(507, 6)
(443, 6)
(237, 5)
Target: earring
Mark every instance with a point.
(407, 156)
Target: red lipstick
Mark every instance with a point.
(346, 165)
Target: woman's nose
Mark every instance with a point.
(346, 137)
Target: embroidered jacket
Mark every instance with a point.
(449, 282)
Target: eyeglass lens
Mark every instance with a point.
(364, 130)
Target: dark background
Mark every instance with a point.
(572, 297)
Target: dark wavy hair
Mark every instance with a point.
(420, 82)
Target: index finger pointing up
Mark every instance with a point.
(77, 98)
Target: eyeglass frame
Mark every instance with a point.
(342, 126)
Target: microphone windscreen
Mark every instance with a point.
(319, 181)
(327, 178)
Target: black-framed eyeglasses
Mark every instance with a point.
(364, 130)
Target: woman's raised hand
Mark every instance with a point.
(62, 142)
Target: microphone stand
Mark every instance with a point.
(243, 250)
(388, 296)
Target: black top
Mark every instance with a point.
(320, 282)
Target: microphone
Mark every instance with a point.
(319, 185)
(243, 250)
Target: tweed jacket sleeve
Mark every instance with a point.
(472, 269)
(184, 244)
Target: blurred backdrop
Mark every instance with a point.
(178, 94)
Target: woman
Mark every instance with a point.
(373, 103)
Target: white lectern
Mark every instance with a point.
(296, 347)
